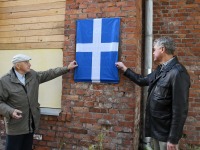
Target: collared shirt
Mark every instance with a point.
(20, 77)
(166, 63)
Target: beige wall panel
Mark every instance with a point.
(29, 14)
(42, 59)
(26, 2)
(32, 45)
(46, 25)
(32, 39)
(32, 33)
(32, 20)
(32, 7)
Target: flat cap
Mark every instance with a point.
(19, 58)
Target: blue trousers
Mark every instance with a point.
(19, 142)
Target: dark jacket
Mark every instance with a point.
(167, 101)
(14, 95)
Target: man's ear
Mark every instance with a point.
(163, 49)
(17, 66)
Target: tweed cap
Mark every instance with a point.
(19, 58)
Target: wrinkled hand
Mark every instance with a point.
(121, 66)
(72, 65)
(171, 146)
(17, 114)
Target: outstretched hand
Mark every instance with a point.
(72, 65)
(121, 66)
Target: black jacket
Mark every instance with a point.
(167, 102)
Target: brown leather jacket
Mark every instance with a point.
(167, 102)
(14, 95)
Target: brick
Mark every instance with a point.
(126, 124)
(80, 109)
(98, 110)
(97, 115)
(89, 104)
(42, 143)
(108, 116)
(79, 131)
(91, 10)
(70, 97)
(86, 120)
(88, 115)
(93, 126)
(113, 111)
(42, 148)
(48, 138)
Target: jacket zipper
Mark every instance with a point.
(29, 112)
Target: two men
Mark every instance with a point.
(167, 102)
(166, 110)
(19, 100)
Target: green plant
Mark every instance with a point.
(192, 147)
(62, 143)
(99, 145)
(188, 145)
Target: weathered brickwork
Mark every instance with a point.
(89, 109)
(114, 109)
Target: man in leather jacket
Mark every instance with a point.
(167, 101)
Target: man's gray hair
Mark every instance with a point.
(166, 42)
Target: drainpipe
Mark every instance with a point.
(147, 61)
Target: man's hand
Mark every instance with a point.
(17, 114)
(171, 146)
(72, 65)
(121, 66)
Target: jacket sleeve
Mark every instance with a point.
(136, 78)
(50, 74)
(5, 109)
(180, 94)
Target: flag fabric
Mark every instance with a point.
(97, 42)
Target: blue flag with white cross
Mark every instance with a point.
(97, 42)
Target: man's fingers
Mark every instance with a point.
(172, 146)
(17, 114)
(18, 111)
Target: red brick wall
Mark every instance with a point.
(181, 19)
(87, 108)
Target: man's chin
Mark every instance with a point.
(156, 61)
(28, 70)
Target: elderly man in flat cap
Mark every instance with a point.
(19, 100)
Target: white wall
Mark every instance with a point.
(42, 59)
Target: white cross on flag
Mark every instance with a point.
(97, 42)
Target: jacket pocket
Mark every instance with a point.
(161, 122)
(162, 90)
(158, 104)
(13, 121)
(17, 90)
(161, 114)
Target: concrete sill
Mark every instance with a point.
(50, 111)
